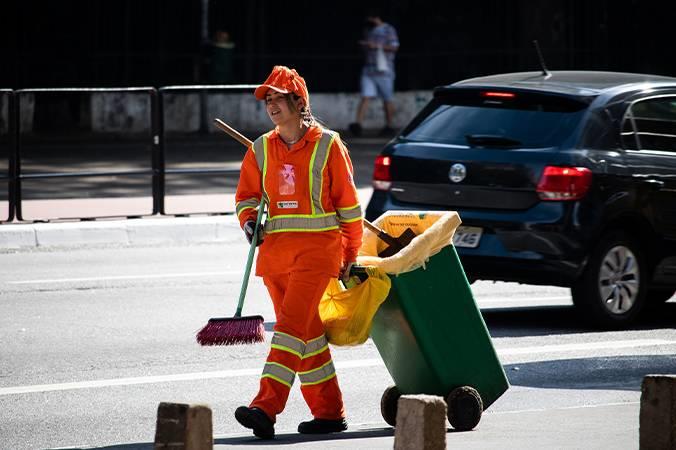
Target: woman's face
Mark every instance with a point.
(279, 110)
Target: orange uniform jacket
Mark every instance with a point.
(288, 183)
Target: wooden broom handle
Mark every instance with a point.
(372, 227)
(383, 235)
(232, 132)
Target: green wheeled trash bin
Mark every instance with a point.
(429, 330)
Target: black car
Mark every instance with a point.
(560, 178)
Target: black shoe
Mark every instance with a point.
(322, 426)
(257, 420)
(387, 131)
(355, 129)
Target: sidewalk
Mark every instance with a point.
(135, 201)
(611, 426)
(130, 232)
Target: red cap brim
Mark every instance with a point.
(261, 90)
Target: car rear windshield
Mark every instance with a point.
(497, 118)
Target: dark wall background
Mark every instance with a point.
(101, 43)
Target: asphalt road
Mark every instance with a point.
(92, 339)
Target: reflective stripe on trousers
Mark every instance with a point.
(318, 375)
(302, 350)
(298, 347)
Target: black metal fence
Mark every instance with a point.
(196, 167)
(7, 155)
(122, 152)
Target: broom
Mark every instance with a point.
(237, 329)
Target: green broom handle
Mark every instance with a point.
(249, 261)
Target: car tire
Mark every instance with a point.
(613, 287)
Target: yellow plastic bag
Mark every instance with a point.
(347, 313)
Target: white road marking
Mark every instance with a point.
(609, 345)
(482, 302)
(525, 300)
(162, 378)
(564, 408)
(128, 381)
(353, 364)
(129, 277)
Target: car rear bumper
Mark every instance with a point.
(541, 272)
(534, 246)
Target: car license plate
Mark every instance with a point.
(467, 237)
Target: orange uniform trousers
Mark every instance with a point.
(296, 297)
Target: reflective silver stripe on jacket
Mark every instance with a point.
(319, 375)
(246, 204)
(319, 157)
(260, 149)
(279, 373)
(288, 343)
(349, 214)
(294, 222)
(318, 220)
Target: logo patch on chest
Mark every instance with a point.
(291, 204)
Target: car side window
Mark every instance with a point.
(651, 125)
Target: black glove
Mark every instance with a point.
(249, 227)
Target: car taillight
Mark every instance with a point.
(382, 180)
(564, 183)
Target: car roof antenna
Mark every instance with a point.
(546, 73)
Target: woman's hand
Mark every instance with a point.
(344, 274)
(249, 229)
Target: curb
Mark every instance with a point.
(127, 232)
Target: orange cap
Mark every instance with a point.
(284, 80)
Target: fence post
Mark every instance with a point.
(17, 157)
(157, 125)
(11, 168)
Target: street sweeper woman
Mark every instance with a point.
(312, 234)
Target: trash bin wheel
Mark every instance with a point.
(388, 404)
(464, 408)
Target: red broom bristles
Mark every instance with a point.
(232, 331)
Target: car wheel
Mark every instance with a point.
(612, 289)
(388, 405)
(658, 296)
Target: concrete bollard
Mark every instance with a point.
(421, 423)
(657, 419)
(183, 427)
